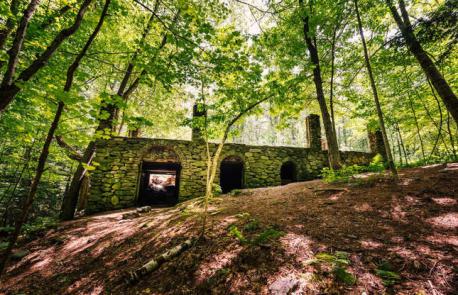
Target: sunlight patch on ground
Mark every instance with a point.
(443, 239)
(298, 246)
(371, 244)
(398, 214)
(211, 265)
(448, 221)
(363, 207)
(445, 201)
(289, 281)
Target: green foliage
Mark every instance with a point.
(389, 278)
(236, 192)
(217, 190)
(235, 232)
(377, 164)
(39, 225)
(266, 236)
(256, 239)
(252, 225)
(386, 272)
(342, 175)
(339, 261)
(3, 245)
(343, 276)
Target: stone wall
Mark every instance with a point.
(116, 180)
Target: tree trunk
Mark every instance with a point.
(331, 86)
(376, 98)
(452, 141)
(33, 188)
(432, 72)
(9, 90)
(70, 199)
(9, 26)
(417, 126)
(51, 133)
(15, 50)
(333, 148)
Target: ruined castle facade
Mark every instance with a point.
(140, 171)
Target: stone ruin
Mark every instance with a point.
(144, 171)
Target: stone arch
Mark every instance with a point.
(231, 172)
(288, 172)
(159, 175)
(162, 153)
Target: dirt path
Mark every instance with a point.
(263, 241)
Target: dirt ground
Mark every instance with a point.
(394, 238)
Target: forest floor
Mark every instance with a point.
(369, 235)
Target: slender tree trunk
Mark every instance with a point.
(432, 72)
(33, 189)
(441, 122)
(331, 86)
(105, 125)
(51, 133)
(417, 126)
(333, 148)
(376, 98)
(399, 150)
(452, 141)
(398, 130)
(9, 26)
(9, 89)
(15, 50)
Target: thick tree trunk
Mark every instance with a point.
(106, 126)
(376, 98)
(432, 72)
(333, 148)
(70, 199)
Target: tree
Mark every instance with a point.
(434, 75)
(381, 120)
(9, 87)
(45, 150)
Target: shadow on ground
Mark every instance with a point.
(410, 228)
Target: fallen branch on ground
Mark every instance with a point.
(153, 264)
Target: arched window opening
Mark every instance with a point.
(288, 173)
(231, 174)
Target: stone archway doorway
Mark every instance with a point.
(231, 173)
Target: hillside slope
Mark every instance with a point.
(303, 238)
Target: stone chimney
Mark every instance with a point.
(313, 131)
(198, 116)
(376, 144)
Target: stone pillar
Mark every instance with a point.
(198, 115)
(376, 144)
(137, 132)
(313, 131)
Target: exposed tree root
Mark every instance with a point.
(153, 264)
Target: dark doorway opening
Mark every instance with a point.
(231, 174)
(159, 184)
(288, 173)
